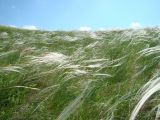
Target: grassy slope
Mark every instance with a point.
(76, 75)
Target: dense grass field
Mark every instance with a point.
(103, 75)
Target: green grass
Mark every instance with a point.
(102, 75)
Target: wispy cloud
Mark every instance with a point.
(85, 28)
(29, 27)
(136, 25)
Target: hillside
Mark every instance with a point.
(77, 75)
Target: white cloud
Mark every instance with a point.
(13, 26)
(110, 29)
(102, 29)
(136, 25)
(29, 27)
(85, 28)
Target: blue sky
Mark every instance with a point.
(73, 14)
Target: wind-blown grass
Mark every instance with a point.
(102, 75)
(146, 94)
